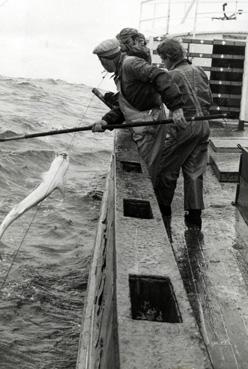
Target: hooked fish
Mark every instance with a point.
(52, 179)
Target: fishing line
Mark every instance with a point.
(14, 256)
(24, 236)
(4, 2)
(70, 144)
(69, 149)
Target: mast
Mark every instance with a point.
(168, 17)
(195, 17)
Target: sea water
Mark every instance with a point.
(46, 253)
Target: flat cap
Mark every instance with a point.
(107, 48)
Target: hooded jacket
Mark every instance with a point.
(144, 86)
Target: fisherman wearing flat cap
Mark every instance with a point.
(109, 54)
(108, 49)
(143, 89)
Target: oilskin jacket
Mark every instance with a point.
(143, 89)
(186, 149)
(144, 86)
(188, 76)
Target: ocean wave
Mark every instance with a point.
(26, 84)
(42, 296)
(52, 301)
(8, 133)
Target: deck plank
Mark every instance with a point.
(225, 166)
(209, 264)
(228, 144)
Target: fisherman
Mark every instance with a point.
(143, 89)
(187, 148)
(133, 43)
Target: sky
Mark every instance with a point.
(55, 38)
(182, 16)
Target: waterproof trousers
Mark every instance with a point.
(148, 138)
(186, 149)
(149, 147)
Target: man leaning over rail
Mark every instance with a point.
(186, 149)
(143, 88)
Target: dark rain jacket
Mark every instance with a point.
(188, 76)
(145, 87)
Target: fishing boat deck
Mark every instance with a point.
(161, 305)
(214, 265)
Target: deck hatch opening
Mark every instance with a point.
(153, 299)
(137, 209)
(131, 166)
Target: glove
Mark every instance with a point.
(111, 98)
(178, 118)
(99, 126)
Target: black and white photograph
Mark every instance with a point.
(124, 184)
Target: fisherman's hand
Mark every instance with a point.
(111, 98)
(178, 118)
(99, 126)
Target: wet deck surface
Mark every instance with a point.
(214, 268)
(228, 144)
(225, 165)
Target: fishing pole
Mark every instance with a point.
(101, 97)
(112, 126)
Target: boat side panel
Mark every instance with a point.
(98, 346)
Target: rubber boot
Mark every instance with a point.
(193, 220)
(166, 214)
(167, 224)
